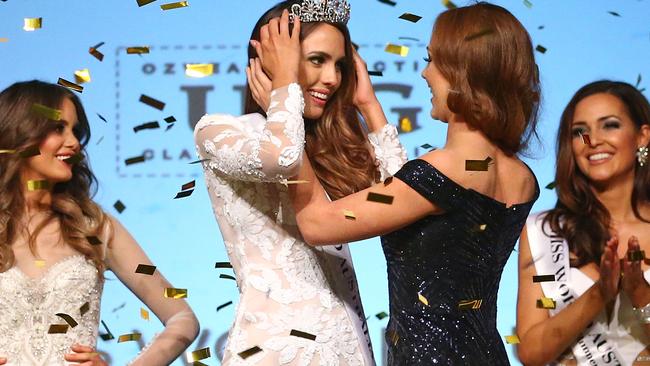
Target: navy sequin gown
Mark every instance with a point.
(448, 259)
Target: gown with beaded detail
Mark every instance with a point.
(442, 260)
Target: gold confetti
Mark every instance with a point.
(512, 339)
(380, 198)
(585, 139)
(550, 185)
(95, 52)
(301, 334)
(349, 215)
(151, 102)
(108, 335)
(3, 40)
(227, 277)
(32, 24)
(449, 4)
(470, 304)
(381, 315)
(295, 182)
(544, 278)
(129, 337)
(410, 17)
(146, 126)
(388, 181)
(47, 112)
(137, 50)
(636, 255)
(144, 2)
(198, 355)
(7, 151)
(119, 206)
(175, 293)
(224, 305)
(35, 185)
(405, 125)
(176, 5)
(135, 160)
(222, 265)
(249, 352)
(84, 308)
(70, 85)
(199, 70)
(423, 299)
(82, 76)
(397, 49)
(145, 269)
(68, 319)
(58, 329)
(540, 48)
(39, 263)
(144, 314)
(545, 303)
(478, 165)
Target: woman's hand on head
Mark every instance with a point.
(86, 356)
(279, 51)
(633, 282)
(3, 360)
(259, 84)
(610, 270)
(364, 96)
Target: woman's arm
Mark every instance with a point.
(544, 338)
(354, 217)
(181, 326)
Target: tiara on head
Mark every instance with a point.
(329, 11)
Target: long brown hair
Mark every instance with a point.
(20, 128)
(579, 216)
(337, 144)
(487, 57)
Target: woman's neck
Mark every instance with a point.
(616, 195)
(460, 137)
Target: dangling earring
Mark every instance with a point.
(642, 155)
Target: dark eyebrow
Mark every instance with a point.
(599, 119)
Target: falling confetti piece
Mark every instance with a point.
(375, 73)
(528, 4)
(183, 194)
(68, 319)
(76, 158)
(35, 185)
(449, 4)
(84, 308)
(405, 125)
(199, 70)
(540, 48)
(227, 277)
(4, 40)
(470, 304)
(410, 39)
(82, 76)
(224, 305)
(144, 314)
(170, 119)
(95, 52)
(479, 34)
(410, 17)
(638, 81)
(614, 13)
(140, 50)
(188, 185)
(636, 255)
(301, 334)
(70, 85)
(39, 263)
(249, 352)
(32, 24)
(545, 303)
(47, 112)
(426, 146)
(388, 181)
(29, 152)
(151, 102)
(7, 151)
(101, 117)
(144, 2)
(135, 160)
(175, 293)
(119, 206)
(108, 335)
(145, 269)
(423, 299)
(388, 2)
(199, 354)
(397, 49)
(380, 198)
(512, 339)
(551, 185)
(93, 240)
(349, 215)
(478, 165)
(58, 329)
(198, 161)
(381, 315)
(176, 5)
(146, 126)
(222, 265)
(544, 278)
(129, 337)
(585, 139)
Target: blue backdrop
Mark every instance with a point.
(585, 40)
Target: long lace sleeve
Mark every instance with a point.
(181, 326)
(252, 148)
(389, 152)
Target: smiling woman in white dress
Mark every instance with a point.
(55, 242)
(248, 161)
(601, 314)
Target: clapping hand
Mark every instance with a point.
(610, 269)
(85, 356)
(633, 282)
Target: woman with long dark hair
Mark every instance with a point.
(299, 305)
(56, 243)
(449, 219)
(598, 309)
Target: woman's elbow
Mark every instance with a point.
(528, 357)
(310, 233)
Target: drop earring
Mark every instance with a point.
(642, 155)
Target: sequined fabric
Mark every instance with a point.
(443, 260)
(29, 306)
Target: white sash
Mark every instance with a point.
(551, 257)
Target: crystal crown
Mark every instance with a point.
(329, 11)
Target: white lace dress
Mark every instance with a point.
(28, 308)
(285, 284)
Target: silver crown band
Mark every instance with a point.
(329, 11)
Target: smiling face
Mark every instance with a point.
(320, 69)
(439, 87)
(609, 153)
(56, 148)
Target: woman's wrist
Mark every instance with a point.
(373, 115)
(640, 297)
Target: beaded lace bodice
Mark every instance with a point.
(28, 308)
(284, 283)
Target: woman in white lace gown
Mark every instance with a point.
(299, 305)
(55, 242)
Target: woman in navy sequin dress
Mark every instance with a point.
(449, 219)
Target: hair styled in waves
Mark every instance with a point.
(337, 144)
(20, 128)
(579, 216)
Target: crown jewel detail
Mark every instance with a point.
(329, 11)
